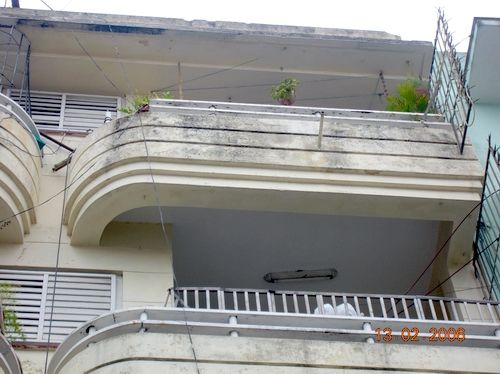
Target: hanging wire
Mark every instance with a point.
(56, 272)
(447, 240)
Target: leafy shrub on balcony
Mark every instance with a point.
(9, 325)
(412, 96)
(285, 91)
(140, 103)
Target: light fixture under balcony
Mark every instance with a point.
(281, 276)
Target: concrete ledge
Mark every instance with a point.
(174, 353)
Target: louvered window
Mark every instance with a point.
(65, 111)
(79, 297)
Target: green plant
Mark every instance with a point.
(285, 91)
(412, 97)
(141, 101)
(10, 326)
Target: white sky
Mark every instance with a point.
(412, 20)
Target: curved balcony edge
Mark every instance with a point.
(127, 331)
(20, 171)
(9, 362)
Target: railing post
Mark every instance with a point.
(320, 131)
(233, 321)
(367, 327)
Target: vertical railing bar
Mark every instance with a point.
(443, 310)
(207, 295)
(394, 308)
(356, 305)
(273, 302)
(269, 307)
(454, 310)
(492, 313)
(382, 305)
(370, 308)
(257, 300)
(235, 300)
(480, 312)
(405, 307)
(334, 301)
(220, 298)
(467, 316)
(344, 299)
(285, 306)
(319, 301)
(247, 302)
(433, 311)
(295, 303)
(418, 308)
(306, 301)
(197, 299)
(185, 299)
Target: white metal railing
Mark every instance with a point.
(421, 308)
(248, 323)
(159, 105)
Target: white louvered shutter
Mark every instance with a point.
(79, 297)
(66, 111)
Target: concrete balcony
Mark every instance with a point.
(20, 166)
(271, 158)
(230, 331)
(9, 362)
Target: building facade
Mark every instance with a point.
(218, 232)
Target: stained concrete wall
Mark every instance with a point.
(173, 353)
(136, 252)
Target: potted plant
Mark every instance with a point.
(140, 103)
(285, 91)
(412, 96)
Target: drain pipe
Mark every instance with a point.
(64, 162)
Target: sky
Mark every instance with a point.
(412, 20)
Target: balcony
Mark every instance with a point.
(19, 171)
(9, 362)
(270, 158)
(231, 329)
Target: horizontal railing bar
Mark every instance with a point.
(341, 294)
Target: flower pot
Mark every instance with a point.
(287, 100)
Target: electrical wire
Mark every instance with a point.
(56, 272)
(157, 201)
(447, 240)
(50, 198)
(462, 267)
(52, 151)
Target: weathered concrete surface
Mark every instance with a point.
(19, 180)
(153, 352)
(226, 160)
(148, 25)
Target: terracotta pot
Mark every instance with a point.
(422, 91)
(287, 101)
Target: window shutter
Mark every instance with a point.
(65, 111)
(79, 297)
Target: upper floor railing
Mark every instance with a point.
(450, 95)
(487, 241)
(393, 307)
(15, 49)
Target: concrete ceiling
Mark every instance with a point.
(219, 61)
(230, 248)
(484, 60)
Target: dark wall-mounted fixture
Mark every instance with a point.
(281, 276)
